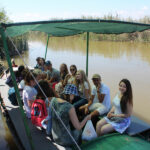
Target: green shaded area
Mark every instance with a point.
(50, 28)
(75, 26)
(116, 142)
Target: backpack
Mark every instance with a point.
(38, 112)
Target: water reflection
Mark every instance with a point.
(106, 49)
(6, 139)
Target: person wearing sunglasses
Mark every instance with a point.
(79, 91)
(70, 89)
(70, 78)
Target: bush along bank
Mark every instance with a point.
(21, 43)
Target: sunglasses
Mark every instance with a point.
(72, 69)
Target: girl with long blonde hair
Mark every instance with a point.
(83, 84)
(84, 89)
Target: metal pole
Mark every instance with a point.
(46, 46)
(16, 87)
(87, 52)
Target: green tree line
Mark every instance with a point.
(137, 36)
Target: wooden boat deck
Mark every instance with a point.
(39, 138)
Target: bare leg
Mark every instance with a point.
(106, 129)
(95, 117)
(95, 113)
(99, 126)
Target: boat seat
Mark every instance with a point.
(137, 126)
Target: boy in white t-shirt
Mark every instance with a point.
(99, 103)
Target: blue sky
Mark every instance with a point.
(33, 10)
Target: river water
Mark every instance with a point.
(112, 60)
(6, 139)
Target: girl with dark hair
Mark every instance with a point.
(40, 63)
(49, 92)
(46, 89)
(21, 85)
(118, 119)
(18, 73)
(40, 107)
(29, 93)
(63, 72)
(22, 82)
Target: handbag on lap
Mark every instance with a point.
(116, 119)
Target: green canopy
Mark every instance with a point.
(75, 26)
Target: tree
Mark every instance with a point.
(3, 16)
(3, 19)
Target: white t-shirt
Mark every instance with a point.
(21, 87)
(29, 93)
(103, 90)
(21, 84)
(82, 92)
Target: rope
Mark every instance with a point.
(44, 93)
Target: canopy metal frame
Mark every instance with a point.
(47, 46)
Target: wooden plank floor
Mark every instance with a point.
(40, 140)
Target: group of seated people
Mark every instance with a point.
(69, 98)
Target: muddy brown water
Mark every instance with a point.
(6, 139)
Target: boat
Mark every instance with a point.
(138, 134)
